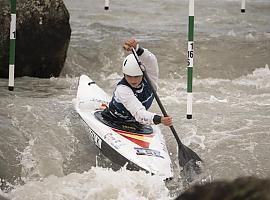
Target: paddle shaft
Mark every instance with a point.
(186, 156)
(156, 96)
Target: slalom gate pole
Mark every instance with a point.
(12, 46)
(243, 6)
(106, 6)
(190, 55)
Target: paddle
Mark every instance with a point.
(185, 154)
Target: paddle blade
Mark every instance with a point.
(188, 160)
(186, 155)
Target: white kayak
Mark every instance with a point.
(137, 149)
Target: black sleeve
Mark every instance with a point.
(140, 51)
(157, 119)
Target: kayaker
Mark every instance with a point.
(133, 97)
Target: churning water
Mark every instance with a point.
(45, 152)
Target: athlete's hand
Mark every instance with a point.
(129, 44)
(102, 106)
(167, 121)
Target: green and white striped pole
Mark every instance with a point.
(106, 6)
(190, 54)
(243, 6)
(12, 45)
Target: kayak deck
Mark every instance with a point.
(125, 126)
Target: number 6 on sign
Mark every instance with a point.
(190, 54)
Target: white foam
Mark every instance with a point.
(29, 109)
(260, 78)
(2, 154)
(250, 37)
(65, 124)
(113, 76)
(97, 183)
(170, 100)
(251, 147)
(28, 162)
(193, 137)
(215, 99)
(231, 33)
(210, 81)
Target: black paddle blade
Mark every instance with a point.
(191, 172)
(189, 160)
(186, 155)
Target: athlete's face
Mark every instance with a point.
(134, 81)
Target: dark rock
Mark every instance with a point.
(242, 188)
(42, 37)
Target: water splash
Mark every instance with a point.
(97, 183)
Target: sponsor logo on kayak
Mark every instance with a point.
(97, 140)
(110, 139)
(99, 100)
(128, 127)
(148, 152)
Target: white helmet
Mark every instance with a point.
(130, 66)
